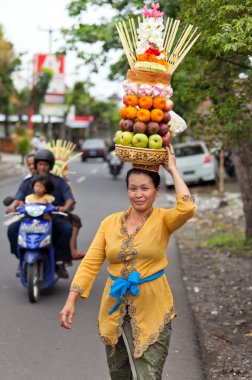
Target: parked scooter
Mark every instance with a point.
(35, 250)
(114, 163)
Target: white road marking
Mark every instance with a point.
(94, 171)
(80, 179)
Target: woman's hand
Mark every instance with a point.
(170, 166)
(67, 313)
(170, 163)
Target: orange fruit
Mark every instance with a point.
(157, 115)
(131, 100)
(131, 112)
(143, 115)
(159, 102)
(145, 102)
(123, 112)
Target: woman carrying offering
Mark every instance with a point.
(137, 304)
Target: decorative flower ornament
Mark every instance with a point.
(154, 12)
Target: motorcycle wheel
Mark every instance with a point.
(33, 282)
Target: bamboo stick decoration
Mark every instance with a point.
(182, 39)
(128, 38)
(134, 34)
(167, 31)
(172, 36)
(176, 48)
(125, 45)
(180, 59)
(188, 41)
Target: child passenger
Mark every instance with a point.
(43, 188)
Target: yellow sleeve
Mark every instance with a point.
(90, 265)
(184, 210)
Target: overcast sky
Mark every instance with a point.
(23, 19)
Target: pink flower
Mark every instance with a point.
(154, 12)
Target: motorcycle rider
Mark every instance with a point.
(64, 201)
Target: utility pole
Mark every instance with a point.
(50, 32)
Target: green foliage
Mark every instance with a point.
(104, 112)
(23, 146)
(102, 32)
(231, 243)
(9, 63)
(21, 132)
(212, 70)
(219, 68)
(38, 92)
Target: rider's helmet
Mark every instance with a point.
(44, 155)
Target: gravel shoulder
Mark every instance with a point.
(216, 270)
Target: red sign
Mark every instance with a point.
(56, 90)
(84, 118)
(56, 63)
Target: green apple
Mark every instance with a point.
(126, 138)
(155, 142)
(118, 137)
(140, 140)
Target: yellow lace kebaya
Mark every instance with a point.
(143, 251)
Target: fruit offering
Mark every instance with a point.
(147, 119)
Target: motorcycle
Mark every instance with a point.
(114, 163)
(35, 249)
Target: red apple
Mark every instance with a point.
(126, 125)
(124, 99)
(166, 139)
(167, 117)
(163, 129)
(169, 105)
(152, 128)
(139, 127)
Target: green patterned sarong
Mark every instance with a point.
(148, 367)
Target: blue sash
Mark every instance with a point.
(120, 286)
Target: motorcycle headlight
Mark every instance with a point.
(35, 210)
(45, 241)
(21, 241)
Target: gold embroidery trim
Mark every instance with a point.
(136, 331)
(128, 255)
(187, 198)
(76, 288)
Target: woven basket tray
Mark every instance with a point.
(144, 158)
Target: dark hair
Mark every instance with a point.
(46, 181)
(30, 155)
(154, 176)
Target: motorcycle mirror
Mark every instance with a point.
(8, 201)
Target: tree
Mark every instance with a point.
(9, 62)
(42, 81)
(105, 112)
(217, 70)
(102, 33)
(221, 73)
(23, 147)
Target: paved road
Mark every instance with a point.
(32, 345)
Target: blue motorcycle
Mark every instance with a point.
(35, 249)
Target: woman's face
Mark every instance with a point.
(141, 192)
(39, 189)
